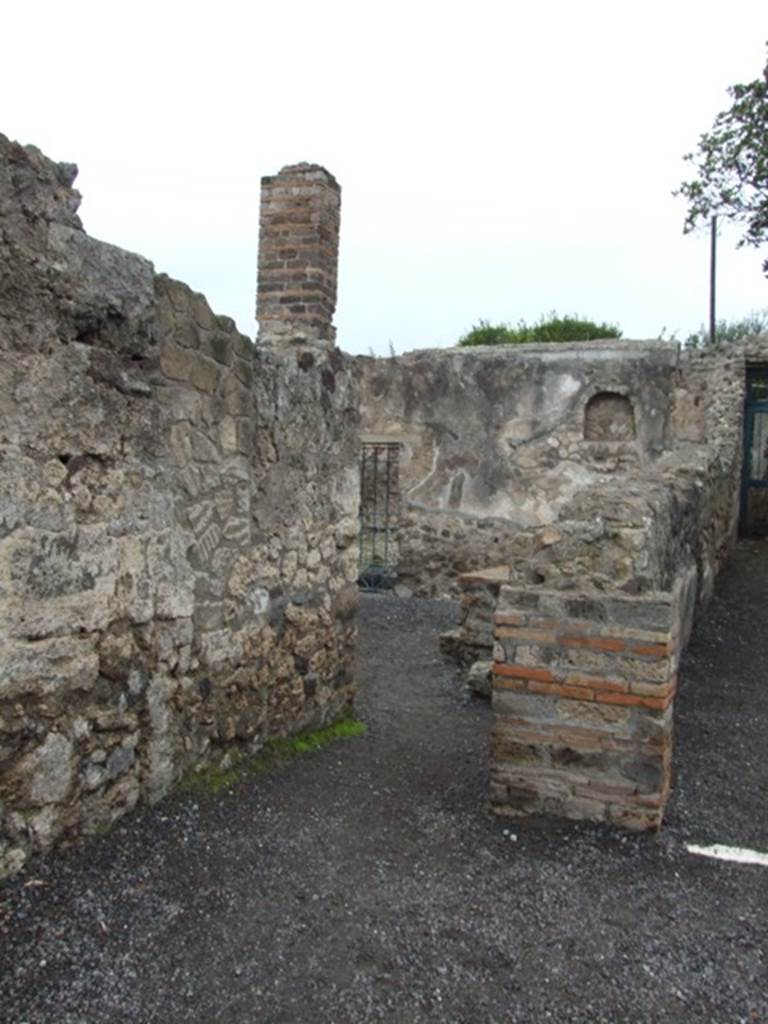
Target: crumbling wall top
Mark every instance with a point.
(304, 171)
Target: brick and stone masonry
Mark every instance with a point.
(583, 689)
(178, 524)
(298, 256)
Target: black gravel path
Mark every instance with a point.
(368, 882)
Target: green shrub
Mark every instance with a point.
(728, 331)
(552, 328)
(485, 333)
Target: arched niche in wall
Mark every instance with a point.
(609, 416)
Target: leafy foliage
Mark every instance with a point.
(732, 166)
(550, 328)
(727, 332)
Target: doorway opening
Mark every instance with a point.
(753, 518)
(379, 514)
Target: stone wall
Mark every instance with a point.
(687, 516)
(177, 524)
(616, 461)
(705, 460)
(499, 462)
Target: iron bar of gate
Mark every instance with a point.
(364, 466)
(375, 515)
(386, 508)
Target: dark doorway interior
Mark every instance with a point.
(753, 520)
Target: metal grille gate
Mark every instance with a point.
(379, 513)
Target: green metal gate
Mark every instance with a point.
(753, 518)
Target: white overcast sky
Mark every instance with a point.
(497, 160)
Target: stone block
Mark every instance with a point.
(478, 678)
(529, 707)
(52, 667)
(47, 772)
(177, 363)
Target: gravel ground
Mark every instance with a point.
(368, 882)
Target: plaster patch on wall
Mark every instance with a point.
(567, 386)
(539, 411)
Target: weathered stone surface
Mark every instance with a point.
(177, 532)
(494, 452)
(48, 771)
(56, 667)
(479, 678)
(616, 462)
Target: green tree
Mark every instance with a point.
(550, 328)
(731, 165)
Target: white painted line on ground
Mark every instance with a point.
(736, 854)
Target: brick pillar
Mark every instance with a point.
(583, 687)
(298, 256)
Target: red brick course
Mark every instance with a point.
(612, 765)
(578, 686)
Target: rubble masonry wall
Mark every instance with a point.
(517, 456)
(177, 526)
(580, 498)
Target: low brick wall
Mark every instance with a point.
(583, 690)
